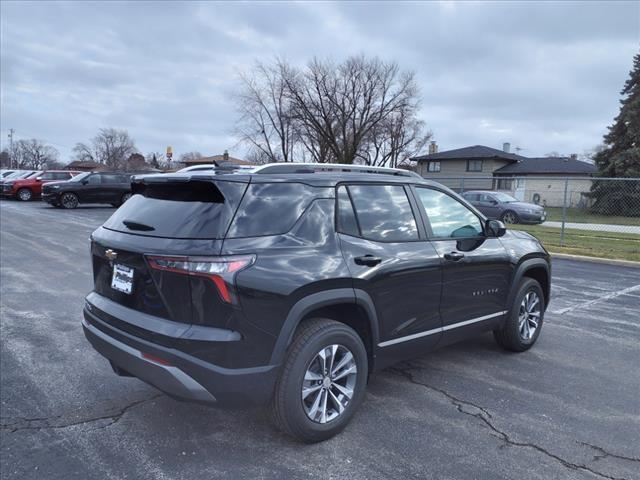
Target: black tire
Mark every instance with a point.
(24, 194)
(287, 408)
(510, 217)
(69, 200)
(510, 336)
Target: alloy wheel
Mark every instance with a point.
(529, 315)
(25, 194)
(69, 200)
(510, 217)
(329, 383)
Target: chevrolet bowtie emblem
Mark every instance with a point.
(110, 254)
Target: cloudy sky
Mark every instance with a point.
(544, 76)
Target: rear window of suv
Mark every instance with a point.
(181, 209)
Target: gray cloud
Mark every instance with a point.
(545, 76)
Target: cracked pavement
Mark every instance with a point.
(569, 408)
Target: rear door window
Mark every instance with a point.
(384, 213)
(180, 209)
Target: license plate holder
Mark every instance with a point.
(122, 278)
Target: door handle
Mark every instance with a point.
(454, 256)
(367, 260)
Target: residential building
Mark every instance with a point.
(538, 180)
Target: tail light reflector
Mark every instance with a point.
(220, 270)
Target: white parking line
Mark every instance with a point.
(602, 298)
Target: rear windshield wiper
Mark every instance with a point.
(131, 225)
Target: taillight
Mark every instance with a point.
(220, 270)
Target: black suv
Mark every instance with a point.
(89, 187)
(290, 284)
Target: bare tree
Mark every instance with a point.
(33, 153)
(110, 146)
(265, 122)
(340, 104)
(189, 156)
(394, 140)
(156, 159)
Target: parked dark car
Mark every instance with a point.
(502, 206)
(290, 284)
(89, 187)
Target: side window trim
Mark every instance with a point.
(427, 223)
(337, 225)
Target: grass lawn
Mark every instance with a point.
(577, 215)
(624, 246)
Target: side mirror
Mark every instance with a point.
(85, 181)
(38, 179)
(495, 228)
(493, 202)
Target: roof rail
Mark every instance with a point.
(291, 167)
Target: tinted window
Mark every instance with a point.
(271, 209)
(61, 176)
(346, 216)
(111, 178)
(94, 179)
(472, 197)
(194, 209)
(384, 212)
(48, 176)
(447, 216)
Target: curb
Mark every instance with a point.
(584, 258)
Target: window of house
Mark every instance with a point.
(504, 184)
(384, 213)
(433, 166)
(474, 165)
(447, 216)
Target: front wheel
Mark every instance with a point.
(510, 217)
(69, 200)
(25, 194)
(524, 322)
(322, 382)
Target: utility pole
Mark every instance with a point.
(11, 146)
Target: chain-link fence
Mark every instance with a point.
(591, 216)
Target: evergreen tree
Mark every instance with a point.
(621, 155)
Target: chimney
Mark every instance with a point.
(573, 156)
(433, 148)
(506, 147)
(225, 156)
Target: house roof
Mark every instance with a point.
(543, 165)
(215, 159)
(475, 151)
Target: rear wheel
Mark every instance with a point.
(69, 200)
(510, 217)
(25, 194)
(322, 382)
(522, 327)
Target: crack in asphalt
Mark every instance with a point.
(605, 454)
(18, 422)
(483, 415)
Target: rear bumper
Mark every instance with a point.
(174, 372)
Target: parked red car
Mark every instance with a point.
(29, 188)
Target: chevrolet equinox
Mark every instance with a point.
(289, 284)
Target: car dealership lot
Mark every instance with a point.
(566, 409)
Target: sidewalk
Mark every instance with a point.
(598, 227)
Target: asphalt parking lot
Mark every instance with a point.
(569, 408)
